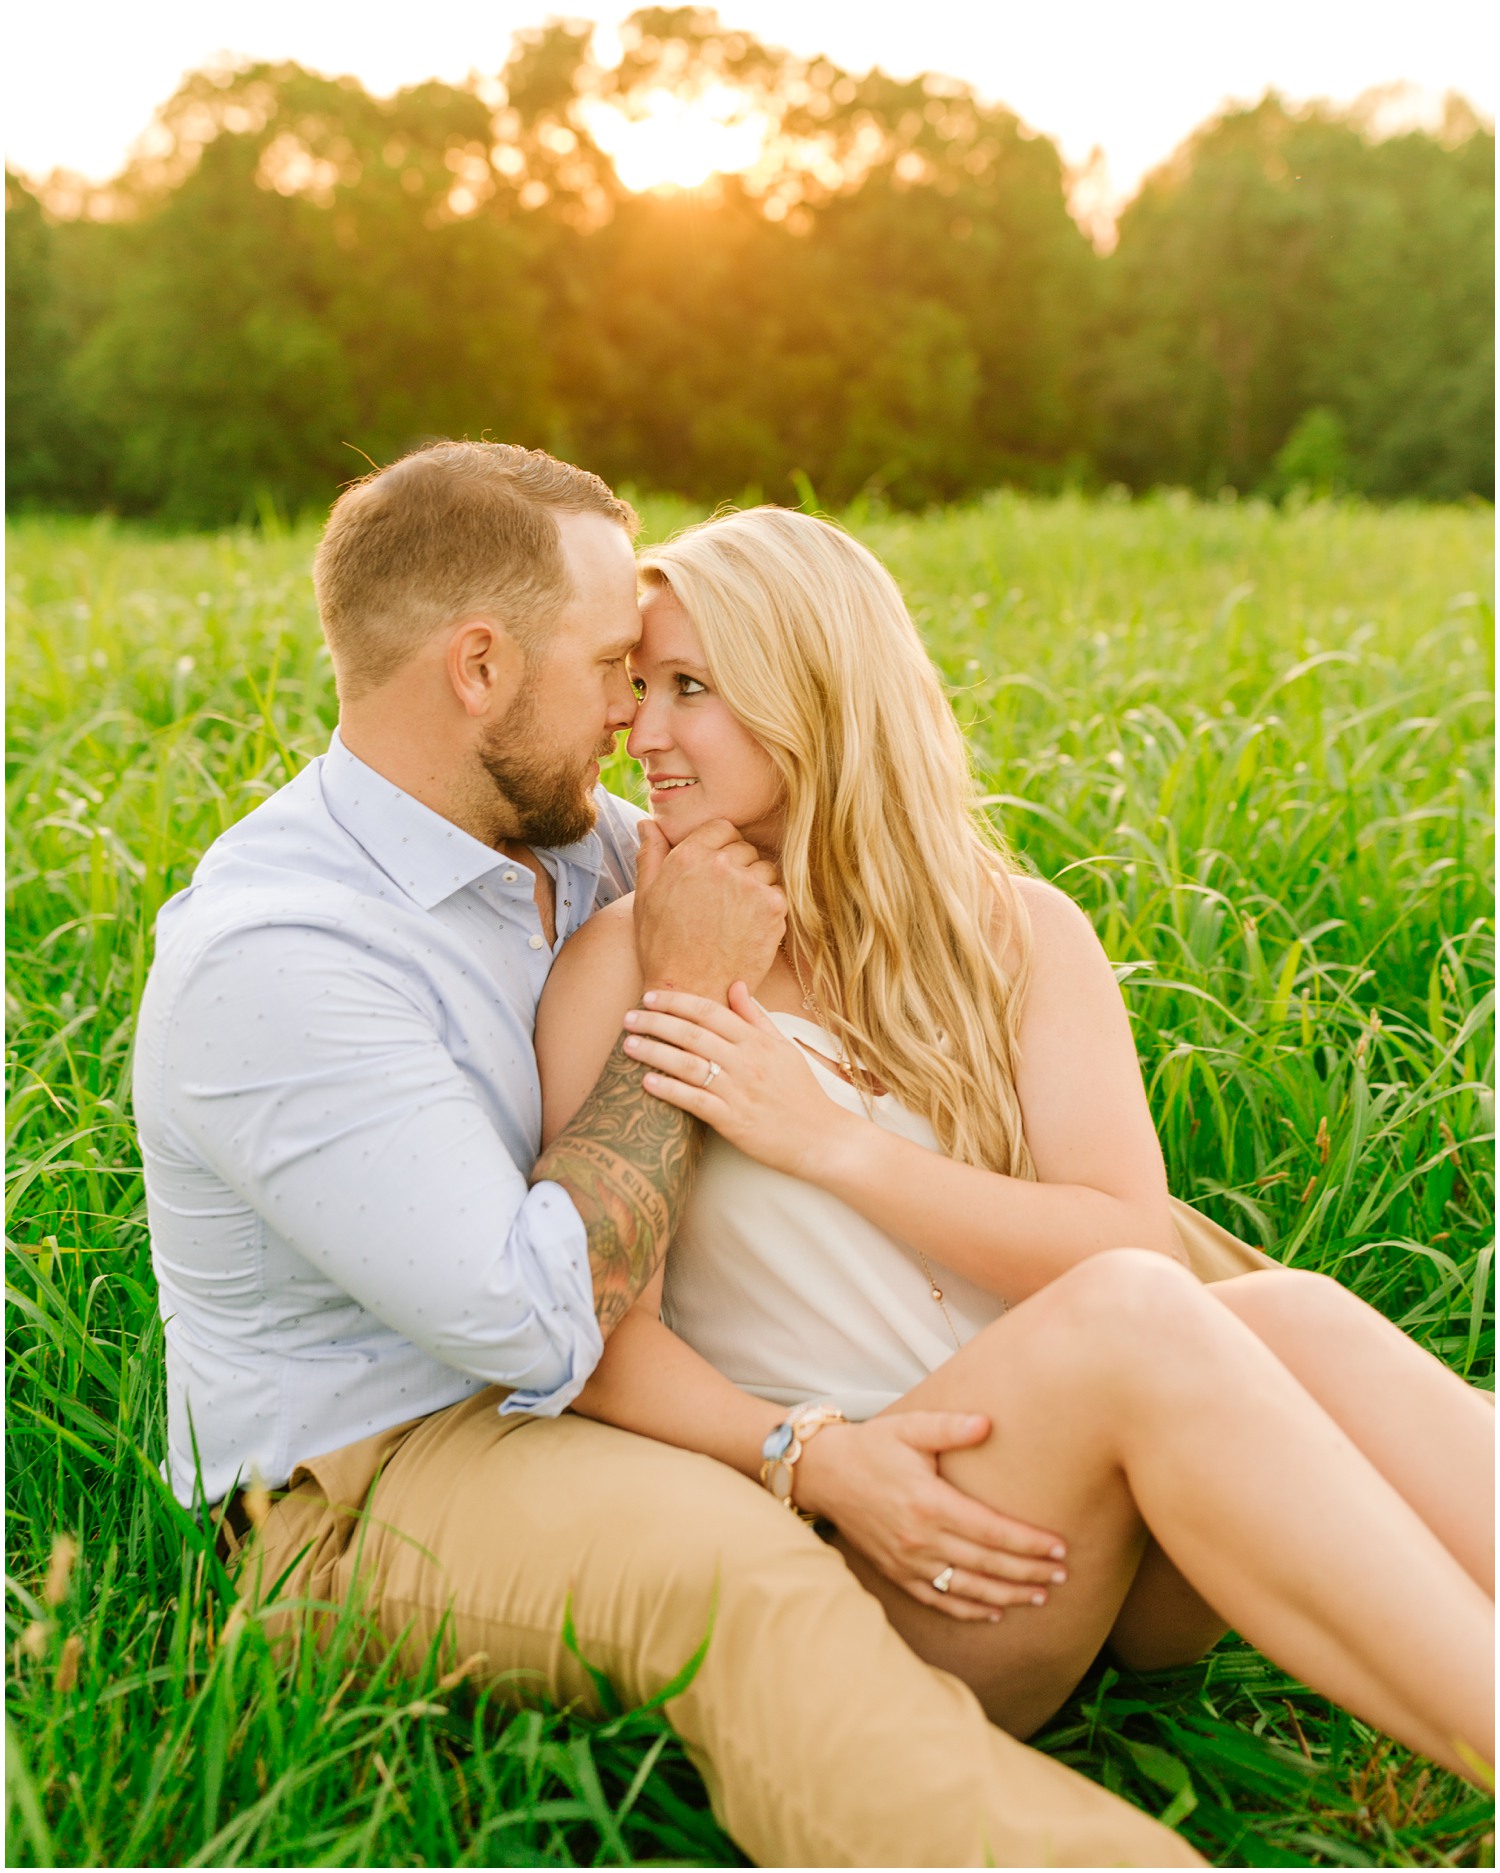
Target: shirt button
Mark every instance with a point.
(510, 877)
(536, 942)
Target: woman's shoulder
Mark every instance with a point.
(610, 923)
(1049, 921)
(603, 946)
(1049, 908)
(594, 979)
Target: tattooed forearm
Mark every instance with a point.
(626, 1161)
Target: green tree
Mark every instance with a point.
(51, 458)
(316, 281)
(294, 274)
(1286, 260)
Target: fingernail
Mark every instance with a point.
(1059, 1576)
(632, 1043)
(649, 998)
(1039, 1599)
(995, 1618)
(632, 1015)
(1058, 1553)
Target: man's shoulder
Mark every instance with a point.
(286, 864)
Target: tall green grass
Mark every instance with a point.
(1253, 744)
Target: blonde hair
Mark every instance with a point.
(897, 885)
(450, 529)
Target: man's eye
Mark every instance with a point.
(689, 685)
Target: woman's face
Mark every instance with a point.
(702, 763)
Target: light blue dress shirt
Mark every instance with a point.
(338, 1107)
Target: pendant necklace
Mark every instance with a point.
(809, 1002)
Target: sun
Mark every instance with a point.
(675, 142)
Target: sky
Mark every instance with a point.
(1132, 77)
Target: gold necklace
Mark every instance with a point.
(810, 1003)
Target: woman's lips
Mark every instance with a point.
(668, 784)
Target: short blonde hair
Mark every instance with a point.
(450, 529)
(897, 885)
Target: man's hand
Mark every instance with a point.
(707, 912)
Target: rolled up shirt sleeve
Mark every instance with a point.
(312, 1075)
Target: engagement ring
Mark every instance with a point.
(942, 1582)
(714, 1070)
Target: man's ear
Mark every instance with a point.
(485, 666)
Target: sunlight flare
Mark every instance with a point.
(677, 142)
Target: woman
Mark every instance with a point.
(932, 1198)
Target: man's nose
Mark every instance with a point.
(622, 707)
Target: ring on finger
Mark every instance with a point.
(714, 1070)
(942, 1582)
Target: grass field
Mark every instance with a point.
(1255, 745)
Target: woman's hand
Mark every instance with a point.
(879, 1483)
(734, 1069)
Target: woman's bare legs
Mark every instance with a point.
(1431, 1436)
(1124, 1397)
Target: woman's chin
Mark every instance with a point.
(677, 822)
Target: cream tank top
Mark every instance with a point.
(795, 1296)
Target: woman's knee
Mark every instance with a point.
(1128, 1320)
(1287, 1300)
(1137, 1289)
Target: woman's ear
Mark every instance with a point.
(485, 666)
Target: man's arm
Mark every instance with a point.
(708, 912)
(308, 1071)
(627, 1161)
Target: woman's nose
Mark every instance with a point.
(648, 731)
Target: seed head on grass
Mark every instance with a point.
(67, 1664)
(35, 1639)
(257, 1500)
(60, 1569)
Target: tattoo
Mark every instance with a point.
(627, 1161)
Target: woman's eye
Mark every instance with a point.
(638, 684)
(689, 685)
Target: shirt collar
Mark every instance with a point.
(427, 855)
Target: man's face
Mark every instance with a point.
(544, 755)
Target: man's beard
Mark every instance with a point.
(547, 794)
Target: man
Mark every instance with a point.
(379, 1300)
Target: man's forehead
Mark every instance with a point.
(621, 646)
(599, 624)
(593, 543)
(600, 609)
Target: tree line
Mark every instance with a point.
(292, 275)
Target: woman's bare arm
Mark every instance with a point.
(1100, 1182)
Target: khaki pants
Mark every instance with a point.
(823, 1740)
